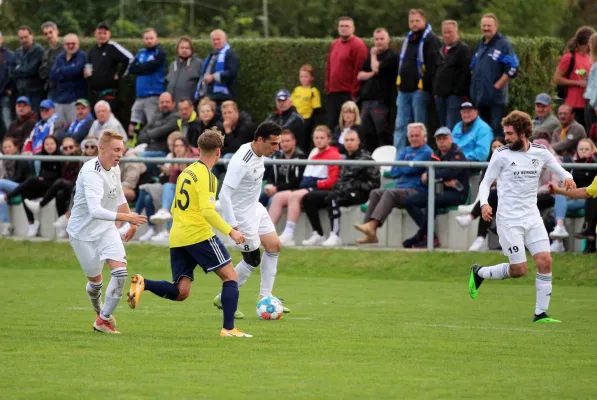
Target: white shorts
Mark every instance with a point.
(514, 239)
(262, 225)
(93, 255)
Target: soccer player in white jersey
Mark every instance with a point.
(241, 209)
(517, 167)
(98, 202)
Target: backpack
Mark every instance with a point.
(562, 91)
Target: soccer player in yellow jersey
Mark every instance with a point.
(192, 240)
(578, 193)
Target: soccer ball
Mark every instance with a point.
(269, 308)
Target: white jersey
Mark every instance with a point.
(517, 174)
(244, 176)
(98, 193)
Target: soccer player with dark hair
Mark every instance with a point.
(192, 240)
(517, 168)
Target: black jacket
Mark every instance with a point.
(21, 171)
(155, 134)
(409, 77)
(25, 73)
(354, 178)
(243, 132)
(453, 76)
(107, 60)
(382, 86)
(584, 177)
(289, 119)
(336, 133)
(197, 128)
(50, 170)
(448, 174)
(286, 177)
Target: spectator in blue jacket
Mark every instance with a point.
(472, 134)
(493, 65)
(149, 66)
(219, 70)
(81, 125)
(408, 182)
(68, 80)
(7, 58)
(25, 73)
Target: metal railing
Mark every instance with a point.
(430, 165)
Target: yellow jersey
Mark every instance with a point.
(193, 211)
(305, 100)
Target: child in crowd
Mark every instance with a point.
(306, 98)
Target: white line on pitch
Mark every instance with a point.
(484, 328)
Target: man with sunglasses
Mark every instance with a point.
(67, 78)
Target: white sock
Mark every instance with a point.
(94, 291)
(543, 286)
(269, 268)
(289, 228)
(114, 292)
(500, 271)
(244, 271)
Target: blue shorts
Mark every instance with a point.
(210, 254)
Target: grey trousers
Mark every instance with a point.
(382, 201)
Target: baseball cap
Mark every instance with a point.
(443, 131)
(24, 99)
(102, 25)
(47, 103)
(467, 104)
(543, 98)
(83, 102)
(282, 94)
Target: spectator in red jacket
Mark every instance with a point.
(345, 59)
(315, 177)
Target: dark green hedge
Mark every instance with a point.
(270, 64)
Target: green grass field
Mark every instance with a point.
(364, 325)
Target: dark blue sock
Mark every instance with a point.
(163, 289)
(229, 300)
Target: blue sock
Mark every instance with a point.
(163, 289)
(229, 302)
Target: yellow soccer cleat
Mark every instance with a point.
(134, 293)
(234, 333)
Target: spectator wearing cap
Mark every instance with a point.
(544, 120)
(565, 138)
(288, 118)
(452, 79)
(184, 72)
(345, 59)
(219, 70)
(472, 134)
(25, 73)
(54, 49)
(81, 125)
(105, 120)
(494, 63)
(48, 125)
(452, 184)
(6, 63)
(149, 66)
(21, 128)
(69, 84)
(109, 62)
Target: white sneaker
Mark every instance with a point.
(287, 240)
(61, 222)
(559, 232)
(33, 206)
(124, 229)
(33, 229)
(557, 246)
(332, 241)
(464, 220)
(2, 199)
(466, 209)
(62, 234)
(162, 237)
(479, 244)
(6, 229)
(315, 240)
(161, 217)
(146, 237)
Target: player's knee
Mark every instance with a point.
(518, 270)
(253, 258)
(274, 247)
(184, 291)
(543, 262)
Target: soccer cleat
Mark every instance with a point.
(112, 320)
(474, 281)
(104, 326)
(134, 293)
(218, 304)
(544, 318)
(233, 333)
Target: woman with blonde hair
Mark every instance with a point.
(350, 120)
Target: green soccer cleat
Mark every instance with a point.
(218, 304)
(543, 318)
(474, 281)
